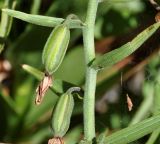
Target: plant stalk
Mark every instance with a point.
(91, 74)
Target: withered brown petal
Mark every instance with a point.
(42, 88)
(56, 140)
(129, 102)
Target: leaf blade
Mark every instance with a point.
(41, 20)
(111, 58)
(6, 23)
(134, 132)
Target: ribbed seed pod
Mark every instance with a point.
(62, 113)
(55, 48)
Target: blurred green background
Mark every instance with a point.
(118, 21)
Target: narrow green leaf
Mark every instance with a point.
(6, 22)
(111, 58)
(42, 20)
(58, 86)
(156, 105)
(116, 1)
(33, 71)
(10, 103)
(153, 137)
(101, 137)
(134, 132)
(35, 7)
(36, 137)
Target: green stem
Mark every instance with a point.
(91, 74)
(89, 104)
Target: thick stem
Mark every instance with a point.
(89, 104)
(91, 74)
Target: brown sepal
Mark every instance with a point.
(42, 88)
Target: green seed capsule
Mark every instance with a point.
(55, 48)
(62, 113)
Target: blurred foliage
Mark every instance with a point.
(23, 122)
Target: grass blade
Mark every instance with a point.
(10, 103)
(116, 1)
(156, 106)
(41, 20)
(35, 7)
(111, 58)
(134, 132)
(153, 137)
(6, 23)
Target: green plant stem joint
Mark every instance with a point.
(90, 84)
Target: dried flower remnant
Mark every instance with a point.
(42, 88)
(129, 102)
(56, 140)
(157, 17)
